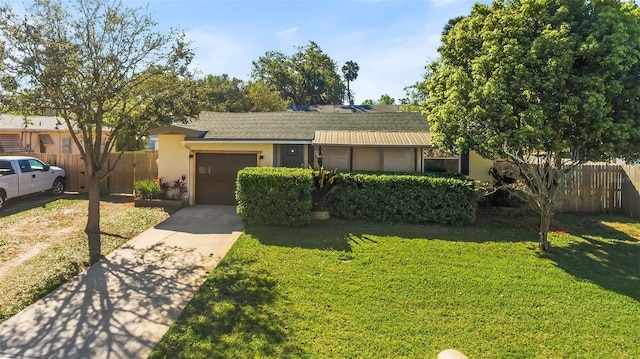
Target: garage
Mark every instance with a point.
(216, 176)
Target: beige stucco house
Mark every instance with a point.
(35, 134)
(211, 150)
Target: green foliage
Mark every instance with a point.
(308, 77)
(350, 71)
(324, 187)
(416, 95)
(536, 82)
(223, 94)
(275, 195)
(404, 198)
(384, 99)
(259, 98)
(539, 75)
(147, 189)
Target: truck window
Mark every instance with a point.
(5, 168)
(36, 165)
(24, 166)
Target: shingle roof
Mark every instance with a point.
(35, 123)
(16, 122)
(344, 108)
(300, 125)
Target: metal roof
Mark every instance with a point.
(378, 138)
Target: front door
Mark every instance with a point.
(292, 156)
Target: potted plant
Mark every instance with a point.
(324, 186)
(147, 189)
(177, 189)
(157, 193)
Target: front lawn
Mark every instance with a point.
(44, 246)
(361, 290)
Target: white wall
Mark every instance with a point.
(173, 157)
(479, 168)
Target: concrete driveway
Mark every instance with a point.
(123, 305)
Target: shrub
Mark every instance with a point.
(147, 189)
(274, 195)
(324, 186)
(412, 198)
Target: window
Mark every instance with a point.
(5, 168)
(36, 165)
(66, 145)
(435, 160)
(44, 140)
(24, 166)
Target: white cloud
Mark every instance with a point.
(287, 32)
(218, 53)
(387, 65)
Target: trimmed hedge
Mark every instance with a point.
(404, 198)
(274, 195)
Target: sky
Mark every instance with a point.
(391, 40)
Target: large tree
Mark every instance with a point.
(224, 94)
(308, 77)
(101, 66)
(545, 84)
(350, 72)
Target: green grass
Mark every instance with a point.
(58, 229)
(362, 290)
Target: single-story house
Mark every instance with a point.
(35, 134)
(212, 149)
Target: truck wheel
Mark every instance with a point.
(58, 186)
(3, 198)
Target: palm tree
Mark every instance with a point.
(350, 71)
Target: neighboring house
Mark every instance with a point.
(35, 134)
(211, 150)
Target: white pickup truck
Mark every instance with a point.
(21, 176)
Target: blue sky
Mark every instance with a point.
(391, 40)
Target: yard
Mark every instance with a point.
(42, 243)
(362, 290)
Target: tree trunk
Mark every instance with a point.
(545, 220)
(93, 219)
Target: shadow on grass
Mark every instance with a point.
(237, 302)
(22, 204)
(340, 235)
(605, 256)
(102, 312)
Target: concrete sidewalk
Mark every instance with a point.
(123, 305)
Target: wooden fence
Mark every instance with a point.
(131, 167)
(604, 188)
(596, 188)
